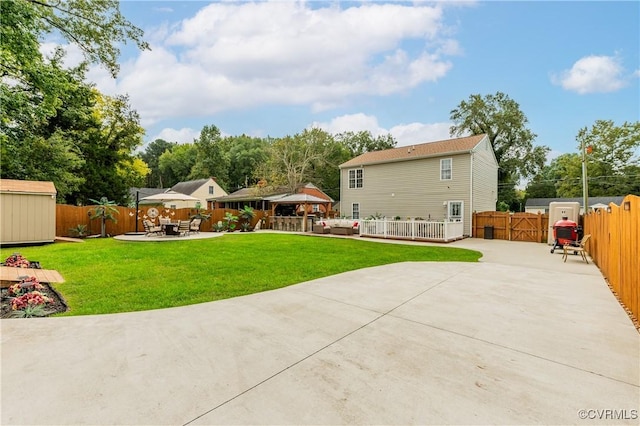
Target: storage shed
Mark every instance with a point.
(27, 212)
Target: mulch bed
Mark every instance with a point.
(57, 306)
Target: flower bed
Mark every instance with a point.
(16, 260)
(28, 297)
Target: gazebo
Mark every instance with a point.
(298, 200)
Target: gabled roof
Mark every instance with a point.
(190, 186)
(424, 150)
(27, 186)
(144, 192)
(544, 202)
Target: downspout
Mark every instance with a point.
(471, 196)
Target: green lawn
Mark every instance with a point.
(107, 276)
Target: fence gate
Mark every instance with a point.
(512, 226)
(526, 227)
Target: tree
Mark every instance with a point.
(245, 155)
(292, 159)
(501, 119)
(107, 149)
(212, 159)
(175, 164)
(32, 85)
(151, 156)
(542, 185)
(363, 141)
(613, 164)
(36, 147)
(46, 109)
(613, 157)
(104, 210)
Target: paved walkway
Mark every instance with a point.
(518, 338)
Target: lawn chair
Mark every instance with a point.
(151, 228)
(194, 226)
(579, 248)
(183, 228)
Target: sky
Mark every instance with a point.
(275, 68)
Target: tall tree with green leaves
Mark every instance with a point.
(613, 157)
(151, 156)
(542, 185)
(246, 153)
(292, 159)
(107, 149)
(44, 105)
(363, 141)
(500, 118)
(176, 164)
(212, 159)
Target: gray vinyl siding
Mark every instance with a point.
(410, 188)
(485, 178)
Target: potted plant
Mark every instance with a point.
(104, 210)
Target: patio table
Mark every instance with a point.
(170, 228)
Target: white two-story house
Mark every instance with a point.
(442, 180)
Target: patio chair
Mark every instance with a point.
(183, 228)
(151, 228)
(194, 226)
(580, 248)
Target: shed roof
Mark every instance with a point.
(27, 186)
(544, 202)
(429, 149)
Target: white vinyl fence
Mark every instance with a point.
(412, 229)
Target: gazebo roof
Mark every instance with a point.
(301, 198)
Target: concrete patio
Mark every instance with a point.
(518, 338)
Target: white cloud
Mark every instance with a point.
(404, 134)
(184, 135)
(593, 74)
(238, 55)
(414, 133)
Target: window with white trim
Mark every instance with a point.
(355, 211)
(355, 178)
(446, 166)
(211, 190)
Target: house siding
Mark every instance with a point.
(485, 177)
(410, 188)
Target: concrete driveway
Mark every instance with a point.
(518, 338)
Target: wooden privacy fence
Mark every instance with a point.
(614, 247)
(511, 226)
(69, 217)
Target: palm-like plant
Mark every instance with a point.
(247, 213)
(230, 221)
(104, 210)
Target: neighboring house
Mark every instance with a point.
(143, 192)
(202, 189)
(443, 180)
(541, 205)
(264, 199)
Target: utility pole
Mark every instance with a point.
(585, 185)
